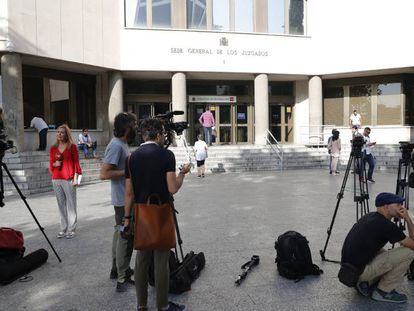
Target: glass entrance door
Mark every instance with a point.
(281, 122)
(233, 122)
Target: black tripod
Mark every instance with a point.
(4, 166)
(361, 195)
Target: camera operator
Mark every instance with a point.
(152, 171)
(113, 168)
(368, 157)
(381, 271)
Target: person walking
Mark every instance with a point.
(64, 168)
(334, 148)
(200, 150)
(367, 154)
(41, 126)
(113, 168)
(151, 171)
(207, 121)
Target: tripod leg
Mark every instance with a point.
(177, 229)
(30, 210)
(339, 196)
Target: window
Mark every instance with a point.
(296, 17)
(196, 14)
(333, 106)
(147, 87)
(221, 15)
(280, 89)
(136, 13)
(276, 16)
(389, 104)
(243, 15)
(360, 100)
(161, 13)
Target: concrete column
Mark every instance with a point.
(116, 100)
(12, 90)
(301, 113)
(261, 109)
(260, 15)
(179, 95)
(315, 109)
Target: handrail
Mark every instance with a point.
(275, 147)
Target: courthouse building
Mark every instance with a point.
(294, 68)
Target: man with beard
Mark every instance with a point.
(113, 168)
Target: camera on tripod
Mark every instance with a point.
(170, 126)
(357, 144)
(406, 149)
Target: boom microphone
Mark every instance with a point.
(170, 114)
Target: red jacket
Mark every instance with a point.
(70, 163)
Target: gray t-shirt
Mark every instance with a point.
(116, 153)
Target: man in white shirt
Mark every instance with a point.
(368, 157)
(355, 120)
(40, 125)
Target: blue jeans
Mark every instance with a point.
(207, 135)
(85, 148)
(371, 164)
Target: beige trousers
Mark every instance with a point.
(389, 267)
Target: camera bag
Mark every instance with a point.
(293, 256)
(182, 273)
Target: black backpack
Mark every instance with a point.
(293, 256)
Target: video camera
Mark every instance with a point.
(171, 127)
(357, 144)
(406, 149)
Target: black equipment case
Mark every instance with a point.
(182, 273)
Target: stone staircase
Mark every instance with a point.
(30, 169)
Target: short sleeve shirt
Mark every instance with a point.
(355, 119)
(367, 237)
(200, 148)
(149, 165)
(115, 154)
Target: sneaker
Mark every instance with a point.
(70, 235)
(364, 289)
(61, 234)
(393, 296)
(371, 181)
(173, 306)
(121, 287)
(336, 173)
(202, 175)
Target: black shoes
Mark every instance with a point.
(114, 274)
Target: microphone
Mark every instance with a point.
(170, 114)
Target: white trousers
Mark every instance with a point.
(66, 199)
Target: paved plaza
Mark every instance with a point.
(229, 217)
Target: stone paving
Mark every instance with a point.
(229, 217)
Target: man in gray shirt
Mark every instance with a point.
(113, 168)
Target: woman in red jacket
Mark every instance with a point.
(64, 168)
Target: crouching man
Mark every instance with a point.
(382, 271)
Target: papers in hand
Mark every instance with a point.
(79, 179)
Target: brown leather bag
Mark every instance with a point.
(154, 225)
